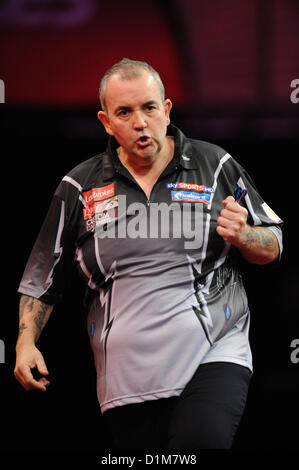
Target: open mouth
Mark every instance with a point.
(143, 141)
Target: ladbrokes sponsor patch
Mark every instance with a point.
(98, 194)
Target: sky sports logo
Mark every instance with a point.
(202, 194)
(190, 187)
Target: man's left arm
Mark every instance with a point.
(257, 244)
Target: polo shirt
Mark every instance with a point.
(164, 291)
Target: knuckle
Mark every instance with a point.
(234, 230)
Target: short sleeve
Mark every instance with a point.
(259, 212)
(53, 252)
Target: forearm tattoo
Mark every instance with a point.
(39, 319)
(22, 327)
(260, 237)
(27, 303)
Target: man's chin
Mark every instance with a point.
(143, 153)
(148, 151)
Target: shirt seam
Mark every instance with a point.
(123, 397)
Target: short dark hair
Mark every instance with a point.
(128, 69)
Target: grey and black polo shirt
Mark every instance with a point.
(164, 290)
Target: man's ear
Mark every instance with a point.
(167, 108)
(102, 116)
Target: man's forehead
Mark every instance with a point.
(136, 91)
(143, 81)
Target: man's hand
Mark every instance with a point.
(33, 316)
(232, 223)
(29, 357)
(257, 244)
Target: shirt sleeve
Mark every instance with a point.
(50, 259)
(259, 213)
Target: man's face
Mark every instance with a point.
(136, 115)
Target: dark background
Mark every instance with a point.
(228, 67)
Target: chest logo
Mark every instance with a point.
(100, 206)
(190, 187)
(98, 194)
(190, 196)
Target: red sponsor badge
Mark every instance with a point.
(98, 194)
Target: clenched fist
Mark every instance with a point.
(232, 222)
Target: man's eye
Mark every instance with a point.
(150, 107)
(123, 112)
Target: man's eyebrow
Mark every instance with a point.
(148, 103)
(121, 108)
(128, 108)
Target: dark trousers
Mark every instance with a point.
(205, 416)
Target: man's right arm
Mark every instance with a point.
(33, 315)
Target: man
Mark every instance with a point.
(168, 318)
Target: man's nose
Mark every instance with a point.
(139, 120)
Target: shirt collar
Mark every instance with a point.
(182, 154)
